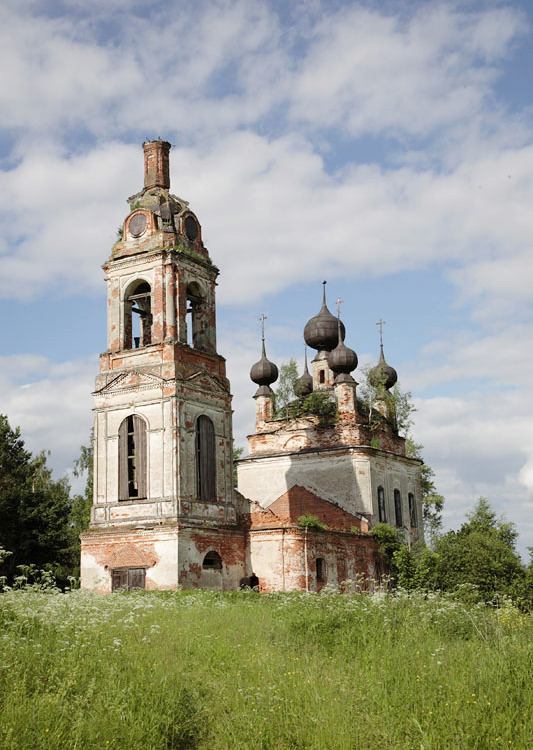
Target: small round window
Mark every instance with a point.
(137, 225)
(191, 228)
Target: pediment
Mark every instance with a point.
(132, 380)
(202, 379)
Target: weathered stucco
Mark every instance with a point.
(164, 384)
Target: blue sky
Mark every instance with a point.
(384, 146)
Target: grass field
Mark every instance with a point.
(243, 670)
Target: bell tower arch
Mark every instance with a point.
(163, 477)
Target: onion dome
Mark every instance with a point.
(304, 384)
(342, 360)
(321, 332)
(382, 376)
(264, 372)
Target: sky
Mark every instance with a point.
(385, 146)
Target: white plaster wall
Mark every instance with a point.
(267, 555)
(340, 479)
(93, 575)
(164, 573)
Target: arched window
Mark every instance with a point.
(320, 569)
(205, 459)
(196, 313)
(412, 510)
(138, 316)
(132, 458)
(212, 561)
(398, 508)
(382, 515)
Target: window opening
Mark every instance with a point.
(381, 505)
(398, 508)
(412, 510)
(138, 317)
(322, 376)
(132, 458)
(212, 561)
(194, 314)
(205, 458)
(320, 569)
(127, 579)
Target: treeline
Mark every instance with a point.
(40, 521)
(480, 558)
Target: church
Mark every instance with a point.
(318, 475)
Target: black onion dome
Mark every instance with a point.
(304, 384)
(342, 359)
(382, 375)
(264, 372)
(321, 332)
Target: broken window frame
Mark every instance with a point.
(132, 459)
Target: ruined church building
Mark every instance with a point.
(166, 513)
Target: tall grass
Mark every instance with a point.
(242, 670)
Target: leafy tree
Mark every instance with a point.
(415, 568)
(309, 521)
(432, 501)
(389, 541)
(288, 375)
(34, 510)
(80, 510)
(481, 553)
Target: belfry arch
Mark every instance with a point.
(196, 315)
(137, 305)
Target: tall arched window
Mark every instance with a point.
(381, 505)
(132, 458)
(412, 510)
(138, 315)
(205, 459)
(398, 508)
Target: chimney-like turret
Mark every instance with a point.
(156, 161)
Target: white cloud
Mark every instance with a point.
(368, 71)
(50, 402)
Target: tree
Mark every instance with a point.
(288, 374)
(482, 553)
(80, 510)
(34, 510)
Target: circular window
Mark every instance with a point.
(137, 225)
(191, 228)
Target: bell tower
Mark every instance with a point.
(164, 511)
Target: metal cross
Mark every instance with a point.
(381, 323)
(339, 303)
(262, 319)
